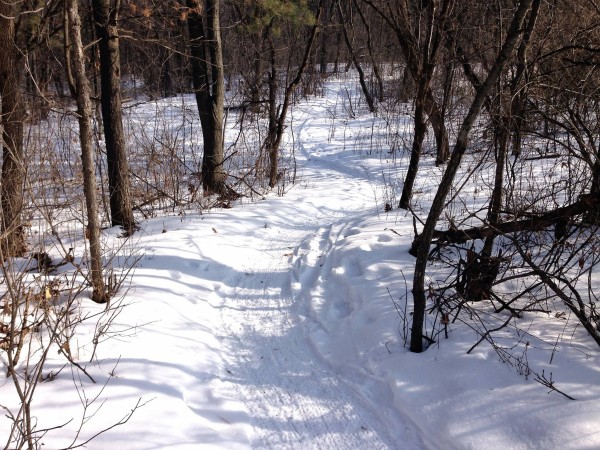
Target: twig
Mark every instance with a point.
(549, 383)
(488, 332)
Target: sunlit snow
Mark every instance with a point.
(279, 324)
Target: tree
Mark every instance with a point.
(345, 22)
(12, 65)
(80, 90)
(106, 14)
(405, 19)
(209, 85)
(277, 42)
(426, 64)
(273, 141)
(422, 243)
(370, 48)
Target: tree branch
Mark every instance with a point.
(586, 202)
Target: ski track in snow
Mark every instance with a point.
(294, 398)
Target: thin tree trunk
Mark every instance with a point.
(585, 204)
(398, 19)
(325, 37)
(273, 88)
(376, 71)
(338, 46)
(423, 241)
(357, 66)
(508, 125)
(81, 91)
(502, 134)
(426, 67)
(436, 117)
(417, 148)
(12, 240)
(105, 17)
(593, 216)
(276, 143)
(258, 66)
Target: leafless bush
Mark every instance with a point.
(43, 296)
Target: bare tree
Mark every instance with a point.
(405, 19)
(106, 15)
(422, 242)
(346, 21)
(278, 41)
(209, 85)
(278, 115)
(436, 18)
(81, 92)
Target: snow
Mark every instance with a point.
(281, 324)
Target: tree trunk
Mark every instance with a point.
(338, 46)
(417, 148)
(434, 112)
(105, 17)
(399, 20)
(502, 135)
(258, 67)
(325, 37)
(593, 216)
(423, 241)
(276, 143)
(12, 239)
(376, 72)
(209, 84)
(563, 214)
(81, 90)
(426, 66)
(357, 66)
(273, 88)
(507, 124)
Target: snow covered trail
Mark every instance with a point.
(283, 323)
(229, 348)
(293, 397)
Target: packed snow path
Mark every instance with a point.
(295, 399)
(228, 349)
(280, 324)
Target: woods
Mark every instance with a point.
(512, 76)
(498, 100)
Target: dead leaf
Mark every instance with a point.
(66, 348)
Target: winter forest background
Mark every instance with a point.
(299, 224)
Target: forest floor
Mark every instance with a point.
(281, 324)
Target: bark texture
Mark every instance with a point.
(105, 17)
(13, 114)
(209, 83)
(81, 91)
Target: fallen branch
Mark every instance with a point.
(586, 203)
